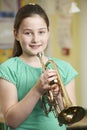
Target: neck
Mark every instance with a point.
(34, 60)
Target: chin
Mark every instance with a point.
(34, 54)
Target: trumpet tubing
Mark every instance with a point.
(62, 106)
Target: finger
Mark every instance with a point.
(53, 81)
(50, 73)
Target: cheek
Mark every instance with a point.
(45, 38)
(45, 44)
(23, 43)
(45, 41)
(24, 40)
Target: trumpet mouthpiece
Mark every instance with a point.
(39, 54)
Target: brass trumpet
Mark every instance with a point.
(63, 109)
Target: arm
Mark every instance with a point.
(15, 112)
(70, 87)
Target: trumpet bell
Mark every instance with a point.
(71, 115)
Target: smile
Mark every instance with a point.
(34, 46)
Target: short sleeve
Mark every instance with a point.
(7, 73)
(66, 70)
(70, 73)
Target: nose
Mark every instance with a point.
(35, 38)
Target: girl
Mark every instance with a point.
(22, 82)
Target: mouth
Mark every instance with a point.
(35, 46)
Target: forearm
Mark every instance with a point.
(19, 112)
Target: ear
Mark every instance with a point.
(16, 35)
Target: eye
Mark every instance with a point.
(42, 32)
(28, 33)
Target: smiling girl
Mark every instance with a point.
(22, 82)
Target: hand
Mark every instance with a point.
(45, 79)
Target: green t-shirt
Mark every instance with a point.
(24, 77)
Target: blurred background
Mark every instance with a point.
(68, 40)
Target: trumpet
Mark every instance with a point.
(64, 110)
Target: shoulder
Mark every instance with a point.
(61, 63)
(8, 69)
(66, 70)
(12, 66)
(10, 61)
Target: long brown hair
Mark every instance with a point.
(26, 11)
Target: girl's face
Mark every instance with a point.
(33, 35)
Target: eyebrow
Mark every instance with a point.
(37, 29)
